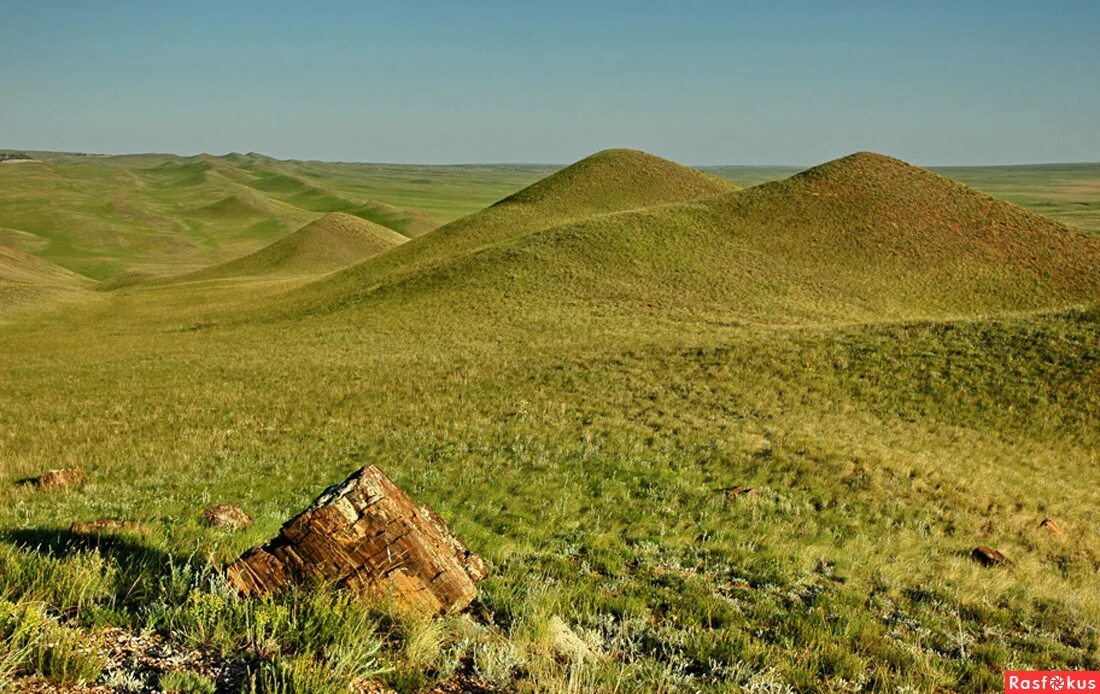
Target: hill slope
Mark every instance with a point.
(329, 243)
(904, 241)
(25, 278)
(865, 237)
(19, 267)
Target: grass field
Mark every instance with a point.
(900, 367)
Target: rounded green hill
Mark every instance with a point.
(329, 243)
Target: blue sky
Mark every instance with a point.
(699, 82)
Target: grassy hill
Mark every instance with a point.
(604, 183)
(906, 242)
(1068, 193)
(900, 368)
(865, 237)
(329, 243)
(164, 214)
(608, 181)
(240, 205)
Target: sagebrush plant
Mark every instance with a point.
(35, 642)
(579, 424)
(185, 682)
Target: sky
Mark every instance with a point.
(724, 82)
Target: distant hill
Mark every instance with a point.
(241, 205)
(865, 237)
(161, 214)
(329, 243)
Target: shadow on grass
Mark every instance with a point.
(132, 573)
(127, 550)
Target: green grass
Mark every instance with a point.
(571, 388)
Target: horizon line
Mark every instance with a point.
(516, 163)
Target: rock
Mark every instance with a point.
(987, 556)
(734, 492)
(367, 536)
(107, 526)
(565, 642)
(228, 516)
(60, 479)
(1051, 526)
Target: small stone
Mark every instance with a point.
(107, 526)
(228, 516)
(565, 642)
(987, 556)
(736, 491)
(1052, 526)
(60, 479)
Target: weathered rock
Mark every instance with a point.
(1051, 526)
(736, 491)
(565, 642)
(367, 536)
(107, 526)
(987, 556)
(228, 516)
(60, 479)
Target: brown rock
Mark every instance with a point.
(107, 526)
(987, 556)
(228, 516)
(1051, 526)
(59, 479)
(367, 536)
(734, 492)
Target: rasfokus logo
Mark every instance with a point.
(1039, 681)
